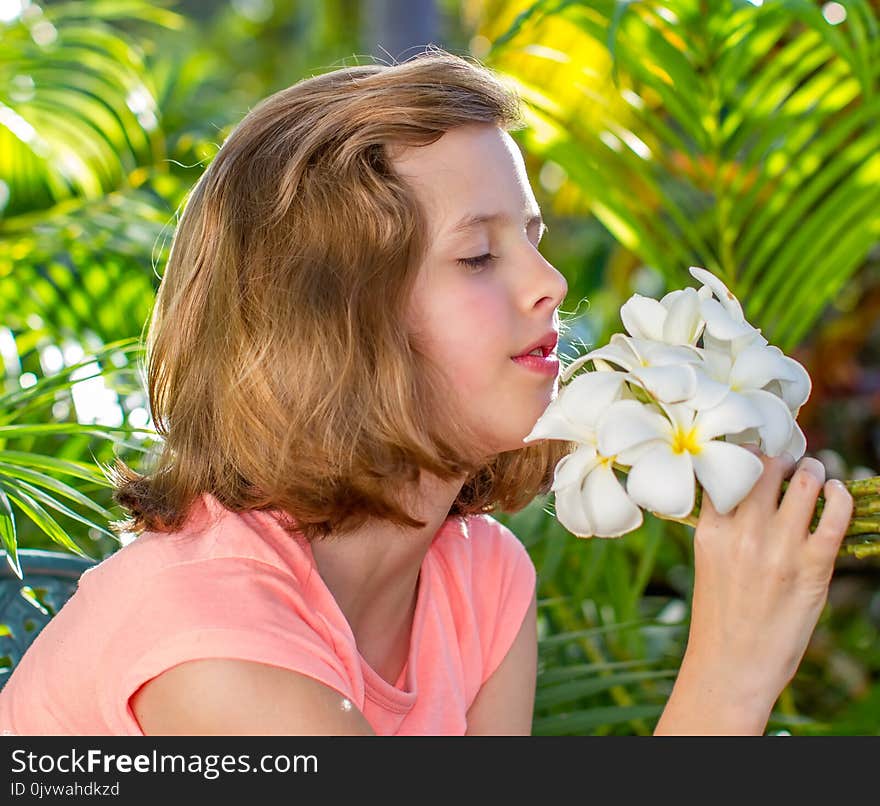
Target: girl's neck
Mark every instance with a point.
(373, 572)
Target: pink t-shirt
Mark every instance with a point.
(236, 585)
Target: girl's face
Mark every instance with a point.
(475, 318)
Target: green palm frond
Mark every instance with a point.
(742, 138)
(86, 265)
(31, 481)
(83, 168)
(77, 107)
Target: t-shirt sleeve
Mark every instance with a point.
(504, 581)
(219, 608)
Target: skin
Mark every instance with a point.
(470, 321)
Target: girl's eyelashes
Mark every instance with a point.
(477, 262)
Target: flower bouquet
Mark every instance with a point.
(667, 411)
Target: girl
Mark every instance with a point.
(336, 367)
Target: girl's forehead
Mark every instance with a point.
(467, 178)
(461, 158)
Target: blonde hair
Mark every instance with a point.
(280, 375)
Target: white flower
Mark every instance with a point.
(735, 356)
(665, 451)
(662, 369)
(725, 321)
(590, 501)
(748, 372)
(675, 319)
(702, 404)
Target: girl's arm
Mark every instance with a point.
(228, 697)
(504, 705)
(761, 582)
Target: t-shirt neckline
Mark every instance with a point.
(377, 687)
(389, 696)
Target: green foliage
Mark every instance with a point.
(737, 137)
(30, 471)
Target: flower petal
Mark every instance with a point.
(658, 354)
(734, 413)
(588, 395)
(616, 353)
(643, 317)
(618, 350)
(553, 424)
(608, 507)
(727, 473)
(717, 362)
(603, 366)
(725, 297)
(756, 365)
(749, 436)
(667, 299)
(632, 455)
(776, 421)
(683, 323)
(570, 511)
(752, 337)
(670, 383)
(720, 323)
(573, 367)
(681, 415)
(796, 390)
(627, 423)
(574, 468)
(574, 411)
(797, 445)
(662, 481)
(709, 392)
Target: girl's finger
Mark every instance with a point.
(763, 499)
(836, 515)
(799, 502)
(709, 517)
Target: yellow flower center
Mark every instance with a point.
(685, 441)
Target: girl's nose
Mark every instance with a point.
(552, 285)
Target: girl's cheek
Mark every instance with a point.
(480, 300)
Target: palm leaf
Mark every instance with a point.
(585, 721)
(43, 519)
(78, 110)
(737, 137)
(8, 533)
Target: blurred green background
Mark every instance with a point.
(741, 136)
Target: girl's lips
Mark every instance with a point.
(547, 364)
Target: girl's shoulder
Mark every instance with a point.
(489, 582)
(211, 536)
(481, 542)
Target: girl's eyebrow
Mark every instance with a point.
(475, 219)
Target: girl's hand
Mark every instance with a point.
(761, 581)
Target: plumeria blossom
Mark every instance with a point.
(662, 369)
(590, 500)
(669, 405)
(724, 316)
(748, 373)
(736, 357)
(676, 444)
(675, 319)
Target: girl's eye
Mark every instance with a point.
(476, 262)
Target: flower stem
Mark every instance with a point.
(864, 523)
